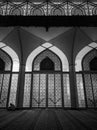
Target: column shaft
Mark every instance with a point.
(20, 91)
(73, 87)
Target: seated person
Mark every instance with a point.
(11, 107)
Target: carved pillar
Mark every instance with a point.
(20, 91)
(73, 87)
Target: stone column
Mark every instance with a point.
(73, 87)
(20, 90)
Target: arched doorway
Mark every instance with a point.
(89, 65)
(5, 76)
(86, 76)
(9, 71)
(47, 90)
(47, 78)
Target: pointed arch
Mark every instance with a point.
(7, 60)
(87, 59)
(5, 70)
(47, 82)
(9, 79)
(54, 49)
(81, 54)
(86, 80)
(90, 77)
(13, 55)
(53, 57)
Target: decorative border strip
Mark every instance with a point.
(48, 8)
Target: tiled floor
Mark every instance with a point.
(48, 119)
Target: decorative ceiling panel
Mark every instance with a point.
(48, 7)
